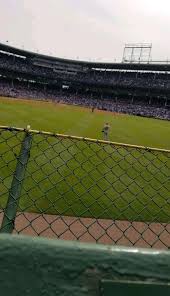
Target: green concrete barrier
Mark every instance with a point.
(34, 266)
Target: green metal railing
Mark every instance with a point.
(63, 268)
(82, 189)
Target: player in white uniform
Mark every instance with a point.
(105, 131)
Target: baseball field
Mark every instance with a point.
(74, 120)
(85, 179)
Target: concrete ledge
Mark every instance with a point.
(36, 266)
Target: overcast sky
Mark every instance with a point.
(96, 29)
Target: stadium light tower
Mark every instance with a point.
(137, 53)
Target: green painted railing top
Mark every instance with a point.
(35, 267)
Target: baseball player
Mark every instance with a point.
(105, 131)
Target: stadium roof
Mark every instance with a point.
(90, 65)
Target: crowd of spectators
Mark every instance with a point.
(9, 62)
(124, 79)
(121, 79)
(121, 105)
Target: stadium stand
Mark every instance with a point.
(138, 89)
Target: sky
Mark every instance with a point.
(86, 29)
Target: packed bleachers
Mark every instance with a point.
(28, 75)
(35, 91)
(124, 79)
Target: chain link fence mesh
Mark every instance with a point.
(80, 189)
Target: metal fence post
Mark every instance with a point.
(10, 211)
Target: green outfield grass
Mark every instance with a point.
(81, 122)
(86, 179)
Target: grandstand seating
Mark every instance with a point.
(141, 89)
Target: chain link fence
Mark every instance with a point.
(74, 188)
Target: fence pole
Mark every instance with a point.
(10, 211)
